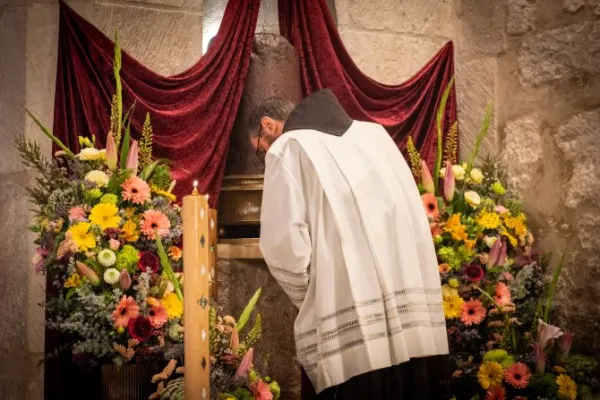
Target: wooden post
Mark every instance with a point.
(197, 264)
(212, 240)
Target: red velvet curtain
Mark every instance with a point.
(408, 109)
(192, 113)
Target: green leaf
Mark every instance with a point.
(245, 316)
(70, 293)
(149, 170)
(485, 125)
(450, 209)
(47, 132)
(118, 87)
(166, 265)
(440, 135)
(552, 289)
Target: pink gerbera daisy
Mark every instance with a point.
(261, 390)
(502, 294)
(158, 316)
(518, 375)
(473, 312)
(155, 221)
(430, 204)
(135, 190)
(126, 310)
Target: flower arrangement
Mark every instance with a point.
(497, 301)
(233, 374)
(109, 238)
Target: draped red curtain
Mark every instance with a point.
(192, 113)
(408, 109)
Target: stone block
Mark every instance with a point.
(238, 280)
(388, 57)
(268, 17)
(475, 87)
(573, 5)
(480, 28)
(560, 54)
(13, 61)
(521, 16)
(577, 138)
(166, 41)
(523, 150)
(594, 5)
(42, 44)
(423, 17)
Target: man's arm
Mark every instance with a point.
(284, 237)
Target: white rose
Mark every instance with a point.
(472, 198)
(111, 276)
(476, 175)
(98, 177)
(459, 172)
(90, 153)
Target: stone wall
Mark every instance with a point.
(539, 62)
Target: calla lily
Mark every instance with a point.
(125, 280)
(111, 152)
(502, 256)
(235, 341)
(132, 157)
(245, 365)
(88, 273)
(539, 357)
(547, 334)
(40, 258)
(426, 179)
(449, 183)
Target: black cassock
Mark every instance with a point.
(417, 379)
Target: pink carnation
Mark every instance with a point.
(76, 213)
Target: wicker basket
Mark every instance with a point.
(128, 382)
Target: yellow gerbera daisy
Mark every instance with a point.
(73, 281)
(130, 232)
(490, 374)
(81, 235)
(173, 305)
(105, 216)
(453, 306)
(488, 220)
(567, 388)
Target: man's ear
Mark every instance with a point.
(268, 125)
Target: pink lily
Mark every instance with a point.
(88, 273)
(494, 254)
(125, 280)
(40, 258)
(132, 157)
(111, 152)
(565, 345)
(502, 256)
(426, 179)
(245, 365)
(540, 358)
(449, 182)
(261, 390)
(547, 334)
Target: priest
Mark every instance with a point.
(344, 233)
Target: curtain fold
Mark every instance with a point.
(192, 112)
(407, 109)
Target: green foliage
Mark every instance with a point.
(245, 316)
(552, 288)
(440, 134)
(118, 97)
(166, 265)
(514, 206)
(544, 384)
(579, 366)
(161, 178)
(242, 394)
(175, 390)
(481, 136)
(54, 139)
(254, 333)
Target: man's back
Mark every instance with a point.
(348, 206)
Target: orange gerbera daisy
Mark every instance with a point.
(158, 316)
(518, 375)
(155, 221)
(430, 204)
(502, 294)
(473, 312)
(126, 310)
(135, 190)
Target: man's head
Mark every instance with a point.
(266, 122)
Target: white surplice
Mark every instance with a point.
(345, 234)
